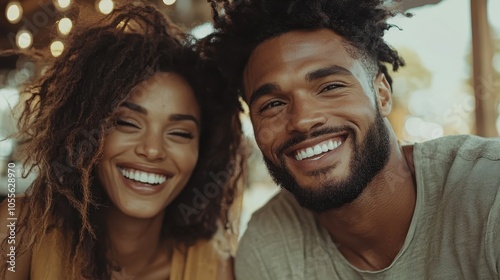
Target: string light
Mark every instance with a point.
(202, 30)
(14, 12)
(56, 48)
(169, 2)
(24, 39)
(105, 6)
(64, 26)
(63, 4)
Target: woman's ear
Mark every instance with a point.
(383, 94)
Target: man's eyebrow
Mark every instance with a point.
(327, 71)
(311, 76)
(261, 91)
(184, 117)
(135, 107)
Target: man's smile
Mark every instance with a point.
(318, 149)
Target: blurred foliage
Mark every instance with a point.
(469, 83)
(407, 80)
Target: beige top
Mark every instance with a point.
(454, 232)
(201, 262)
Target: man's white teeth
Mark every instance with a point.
(143, 177)
(320, 148)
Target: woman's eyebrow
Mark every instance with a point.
(135, 107)
(184, 117)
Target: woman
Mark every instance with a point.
(137, 154)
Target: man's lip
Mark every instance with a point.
(313, 142)
(146, 168)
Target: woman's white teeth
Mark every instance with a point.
(320, 148)
(143, 177)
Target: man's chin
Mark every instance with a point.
(315, 205)
(324, 197)
(315, 192)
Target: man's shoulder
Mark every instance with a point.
(282, 206)
(276, 238)
(468, 147)
(282, 199)
(280, 217)
(461, 171)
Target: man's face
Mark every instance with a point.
(318, 117)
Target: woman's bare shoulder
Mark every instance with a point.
(10, 210)
(18, 267)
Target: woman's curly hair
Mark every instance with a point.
(70, 110)
(241, 25)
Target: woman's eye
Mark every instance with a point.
(125, 123)
(187, 135)
(271, 104)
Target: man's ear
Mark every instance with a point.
(383, 94)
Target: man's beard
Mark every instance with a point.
(369, 158)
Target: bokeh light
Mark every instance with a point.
(105, 6)
(56, 48)
(65, 25)
(63, 4)
(169, 2)
(24, 39)
(14, 12)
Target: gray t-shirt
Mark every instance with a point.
(454, 232)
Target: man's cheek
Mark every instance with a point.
(268, 130)
(265, 136)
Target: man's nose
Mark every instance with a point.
(303, 116)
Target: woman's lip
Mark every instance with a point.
(142, 188)
(145, 168)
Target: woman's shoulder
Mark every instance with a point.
(203, 260)
(199, 261)
(18, 266)
(13, 209)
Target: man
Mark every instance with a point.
(356, 204)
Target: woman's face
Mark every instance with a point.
(149, 156)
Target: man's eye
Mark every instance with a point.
(331, 87)
(125, 123)
(271, 105)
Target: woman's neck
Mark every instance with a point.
(133, 243)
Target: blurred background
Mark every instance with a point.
(451, 84)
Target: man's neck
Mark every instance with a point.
(371, 231)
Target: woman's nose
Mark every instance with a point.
(151, 147)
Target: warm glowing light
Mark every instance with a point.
(106, 6)
(65, 25)
(202, 30)
(420, 129)
(14, 12)
(169, 2)
(56, 48)
(496, 62)
(63, 4)
(24, 39)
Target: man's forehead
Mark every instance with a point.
(293, 49)
(296, 43)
